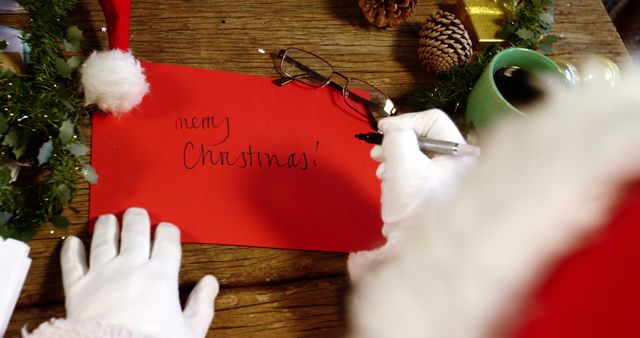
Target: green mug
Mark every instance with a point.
(485, 102)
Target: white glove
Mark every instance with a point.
(136, 288)
(409, 177)
(14, 266)
(406, 173)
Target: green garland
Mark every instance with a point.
(41, 113)
(527, 24)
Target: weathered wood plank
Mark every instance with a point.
(310, 308)
(233, 266)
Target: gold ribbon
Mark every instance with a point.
(485, 18)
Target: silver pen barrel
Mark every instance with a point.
(448, 148)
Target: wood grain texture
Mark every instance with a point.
(269, 292)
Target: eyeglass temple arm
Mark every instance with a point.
(372, 121)
(288, 79)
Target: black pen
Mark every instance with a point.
(430, 145)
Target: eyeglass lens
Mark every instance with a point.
(367, 100)
(306, 67)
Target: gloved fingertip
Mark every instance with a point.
(380, 171)
(106, 218)
(169, 230)
(104, 243)
(135, 212)
(72, 247)
(135, 235)
(376, 153)
(167, 249)
(199, 309)
(213, 281)
(439, 126)
(106, 226)
(207, 288)
(73, 261)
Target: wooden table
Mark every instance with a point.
(267, 292)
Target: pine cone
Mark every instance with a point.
(444, 43)
(387, 13)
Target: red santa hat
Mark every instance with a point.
(117, 13)
(114, 80)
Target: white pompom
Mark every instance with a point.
(114, 81)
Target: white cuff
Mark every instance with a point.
(69, 328)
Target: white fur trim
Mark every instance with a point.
(359, 263)
(463, 265)
(69, 328)
(113, 80)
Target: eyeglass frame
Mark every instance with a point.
(373, 123)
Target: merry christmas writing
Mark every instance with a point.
(214, 153)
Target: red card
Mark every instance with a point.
(235, 159)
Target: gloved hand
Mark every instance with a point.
(409, 177)
(137, 287)
(407, 173)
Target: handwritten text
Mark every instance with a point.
(204, 155)
(206, 122)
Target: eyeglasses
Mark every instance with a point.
(312, 70)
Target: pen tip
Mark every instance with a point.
(359, 136)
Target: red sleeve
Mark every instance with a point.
(594, 292)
